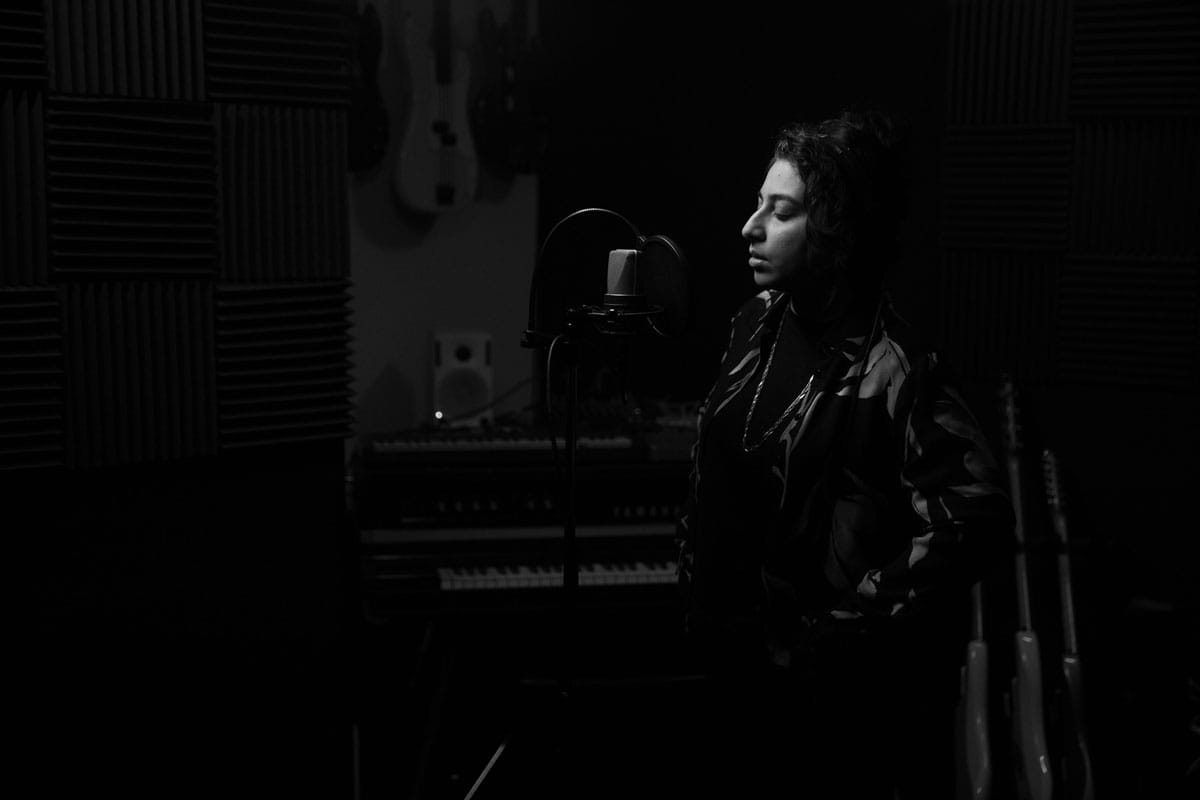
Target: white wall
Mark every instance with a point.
(466, 269)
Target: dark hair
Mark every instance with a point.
(855, 192)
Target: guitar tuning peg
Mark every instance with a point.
(1050, 473)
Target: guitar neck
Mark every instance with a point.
(1058, 517)
(1070, 642)
(442, 46)
(1024, 603)
(1032, 762)
(520, 20)
(977, 612)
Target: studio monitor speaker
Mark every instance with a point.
(462, 377)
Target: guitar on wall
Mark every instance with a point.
(973, 746)
(1075, 763)
(1032, 761)
(507, 118)
(437, 170)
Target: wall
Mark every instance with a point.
(465, 269)
(174, 372)
(470, 271)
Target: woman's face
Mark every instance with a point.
(777, 229)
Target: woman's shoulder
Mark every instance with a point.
(758, 305)
(900, 354)
(909, 345)
(914, 359)
(750, 315)
(913, 342)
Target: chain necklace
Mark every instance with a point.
(770, 434)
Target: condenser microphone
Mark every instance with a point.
(623, 285)
(646, 290)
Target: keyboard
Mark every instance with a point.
(526, 576)
(473, 447)
(476, 518)
(425, 568)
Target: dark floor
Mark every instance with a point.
(413, 710)
(628, 736)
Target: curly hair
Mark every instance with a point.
(855, 192)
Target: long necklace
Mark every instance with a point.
(800, 398)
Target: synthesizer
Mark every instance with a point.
(423, 570)
(477, 520)
(505, 445)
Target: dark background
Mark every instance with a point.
(667, 115)
(175, 349)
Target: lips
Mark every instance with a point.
(757, 260)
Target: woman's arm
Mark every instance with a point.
(964, 516)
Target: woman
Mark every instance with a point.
(842, 500)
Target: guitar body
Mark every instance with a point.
(975, 759)
(436, 170)
(1034, 778)
(1076, 760)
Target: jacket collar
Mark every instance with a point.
(842, 332)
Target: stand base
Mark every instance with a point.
(493, 677)
(608, 739)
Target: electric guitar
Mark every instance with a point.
(973, 743)
(507, 118)
(1032, 761)
(1074, 760)
(437, 170)
(367, 117)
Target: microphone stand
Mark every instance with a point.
(570, 586)
(624, 313)
(570, 550)
(609, 320)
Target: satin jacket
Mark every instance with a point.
(877, 495)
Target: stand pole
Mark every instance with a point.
(569, 345)
(570, 554)
(563, 722)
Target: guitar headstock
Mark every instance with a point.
(1010, 415)
(1050, 472)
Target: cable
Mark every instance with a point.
(506, 393)
(550, 407)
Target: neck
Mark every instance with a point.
(816, 311)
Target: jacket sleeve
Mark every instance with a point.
(953, 484)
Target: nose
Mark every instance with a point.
(753, 229)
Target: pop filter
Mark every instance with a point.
(664, 283)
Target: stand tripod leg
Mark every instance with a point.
(488, 768)
(433, 725)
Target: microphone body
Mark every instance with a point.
(623, 286)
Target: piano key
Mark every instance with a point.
(541, 576)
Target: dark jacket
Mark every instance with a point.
(875, 499)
